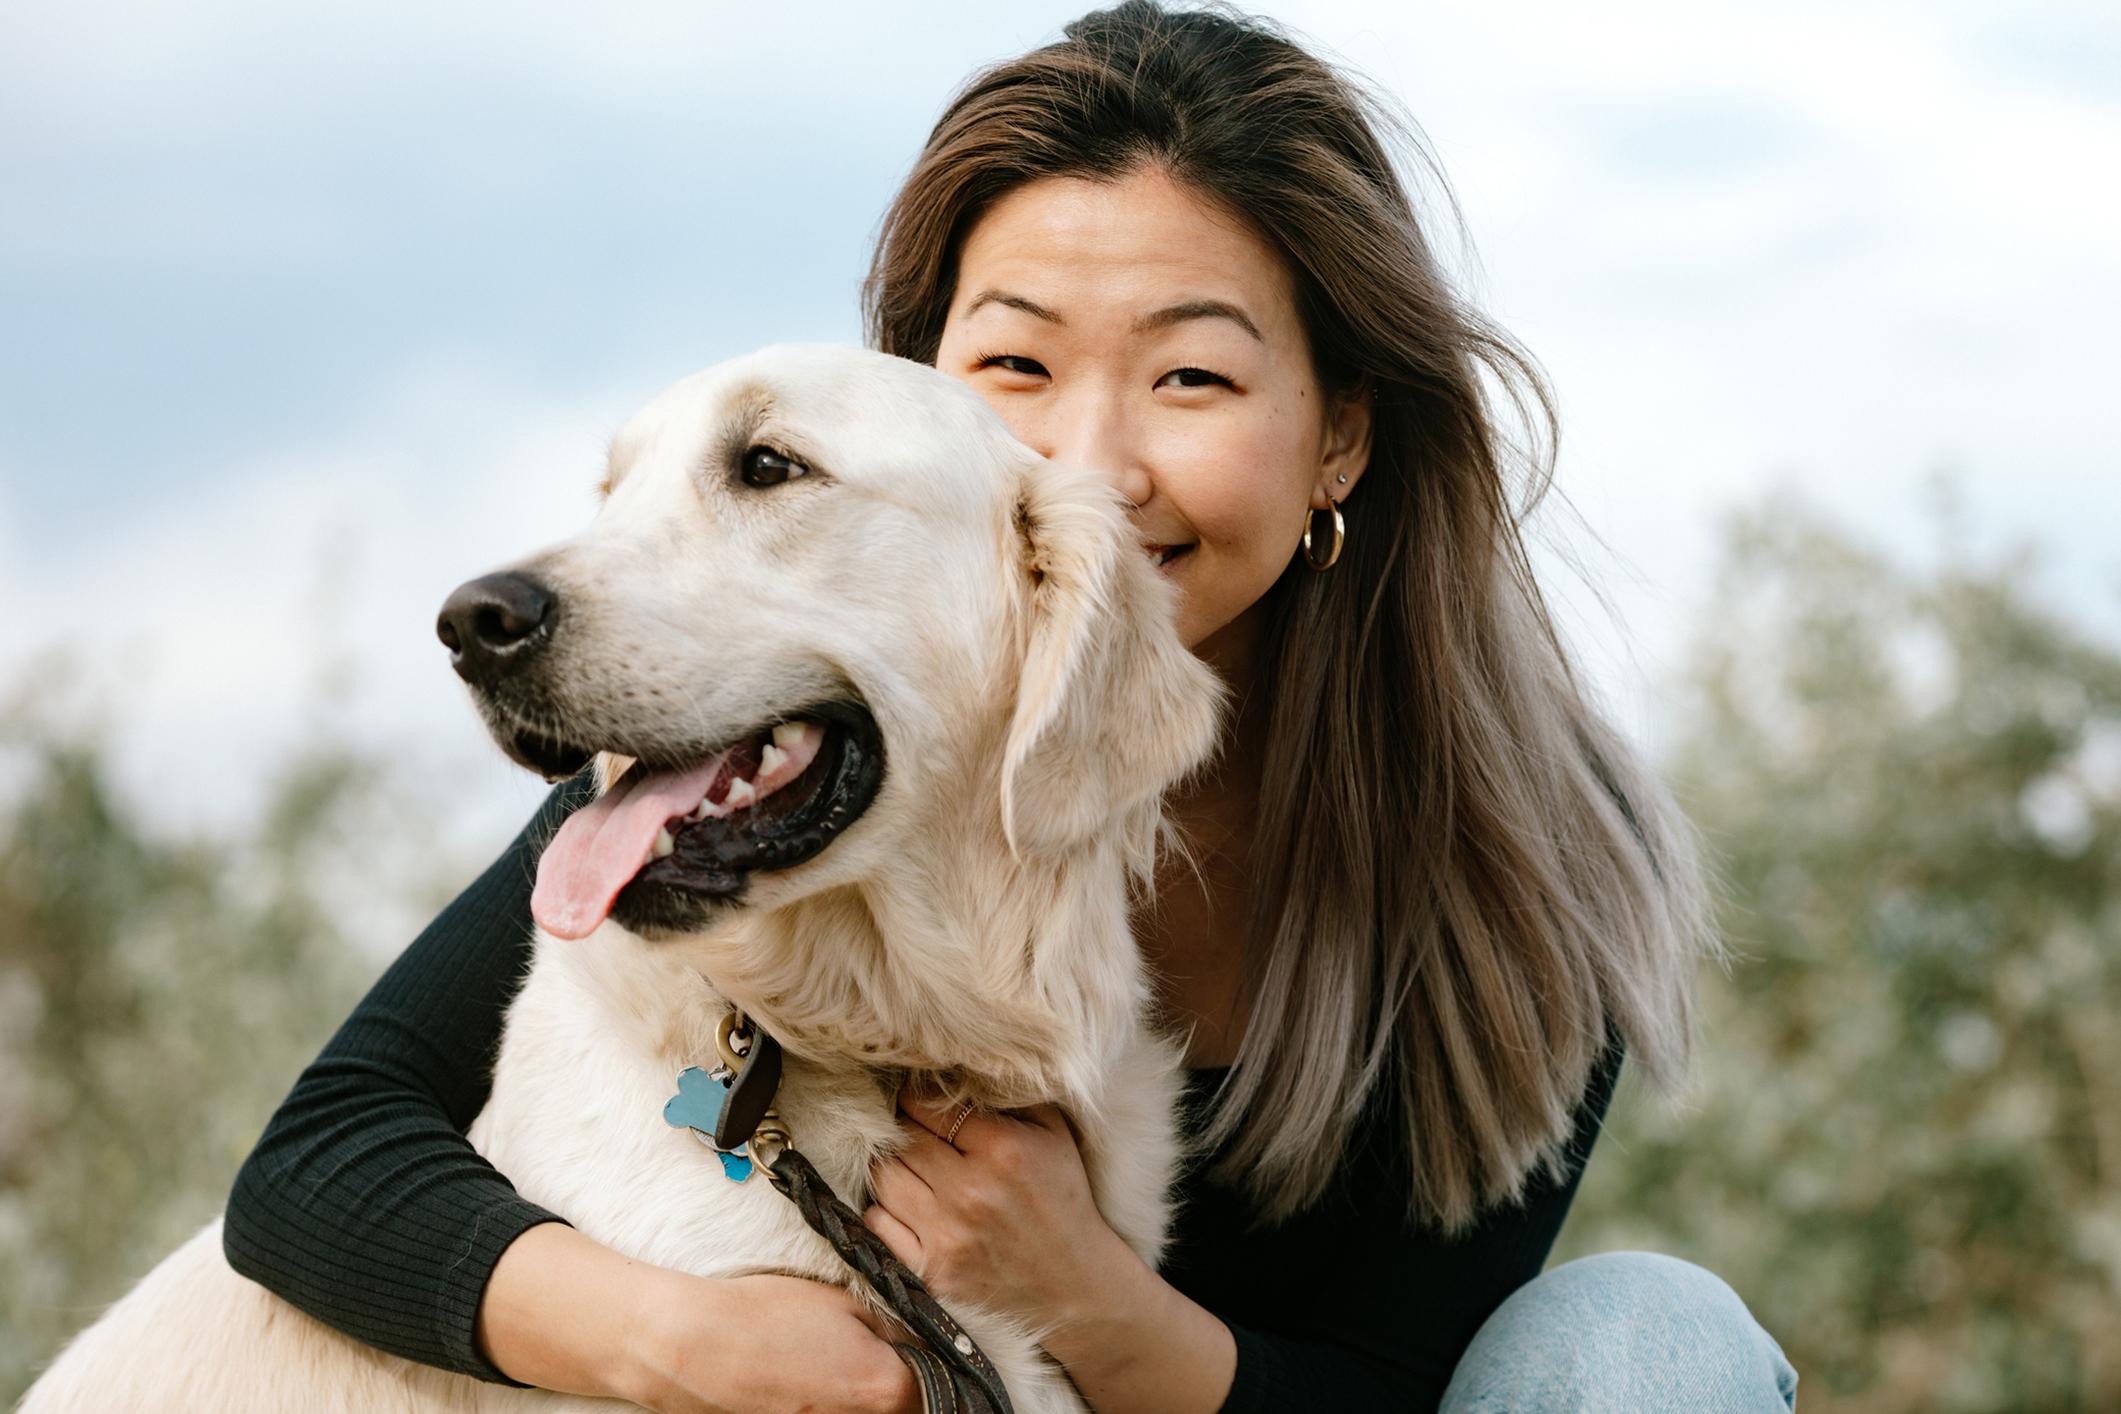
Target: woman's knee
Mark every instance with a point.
(1623, 1331)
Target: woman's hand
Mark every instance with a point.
(766, 1345)
(564, 1312)
(1002, 1217)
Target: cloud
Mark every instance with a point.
(203, 71)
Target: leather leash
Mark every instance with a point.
(730, 1109)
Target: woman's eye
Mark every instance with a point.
(1207, 379)
(763, 466)
(1031, 366)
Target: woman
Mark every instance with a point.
(1435, 896)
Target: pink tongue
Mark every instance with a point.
(603, 845)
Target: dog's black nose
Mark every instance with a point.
(492, 623)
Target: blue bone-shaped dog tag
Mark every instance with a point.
(696, 1106)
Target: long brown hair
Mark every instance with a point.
(1465, 881)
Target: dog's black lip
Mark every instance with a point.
(554, 758)
(712, 861)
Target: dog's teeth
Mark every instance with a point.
(741, 792)
(664, 844)
(699, 812)
(771, 759)
(787, 734)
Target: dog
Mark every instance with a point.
(882, 706)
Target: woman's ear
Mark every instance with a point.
(1111, 708)
(1344, 453)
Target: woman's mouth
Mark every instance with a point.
(1167, 555)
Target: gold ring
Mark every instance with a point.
(957, 1124)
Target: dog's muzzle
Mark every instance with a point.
(676, 838)
(497, 629)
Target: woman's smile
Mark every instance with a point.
(1168, 556)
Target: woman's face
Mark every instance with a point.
(1133, 328)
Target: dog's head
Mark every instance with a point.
(831, 619)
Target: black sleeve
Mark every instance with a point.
(363, 1202)
(1348, 1307)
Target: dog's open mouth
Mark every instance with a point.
(661, 849)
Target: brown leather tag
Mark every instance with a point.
(751, 1093)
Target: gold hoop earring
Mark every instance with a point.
(1340, 528)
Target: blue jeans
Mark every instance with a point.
(1623, 1333)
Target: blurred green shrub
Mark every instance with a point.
(1905, 1149)
(157, 998)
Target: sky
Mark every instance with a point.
(307, 315)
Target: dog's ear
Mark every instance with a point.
(1111, 708)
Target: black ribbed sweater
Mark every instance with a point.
(364, 1205)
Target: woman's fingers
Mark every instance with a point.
(937, 1164)
(905, 1207)
(1051, 1117)
(930, 1115)
(942, 1121)
(904, 1243)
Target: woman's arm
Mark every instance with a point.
(1151, 1350)
(563, 1312)
(363, 1203)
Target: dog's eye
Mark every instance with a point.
(763, 466)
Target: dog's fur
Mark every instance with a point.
(1017, 651)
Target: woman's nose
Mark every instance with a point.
(1098, 437)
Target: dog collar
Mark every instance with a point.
(730, 1108)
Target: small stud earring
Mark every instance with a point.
(1343, 478)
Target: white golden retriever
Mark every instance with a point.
(884, 704)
